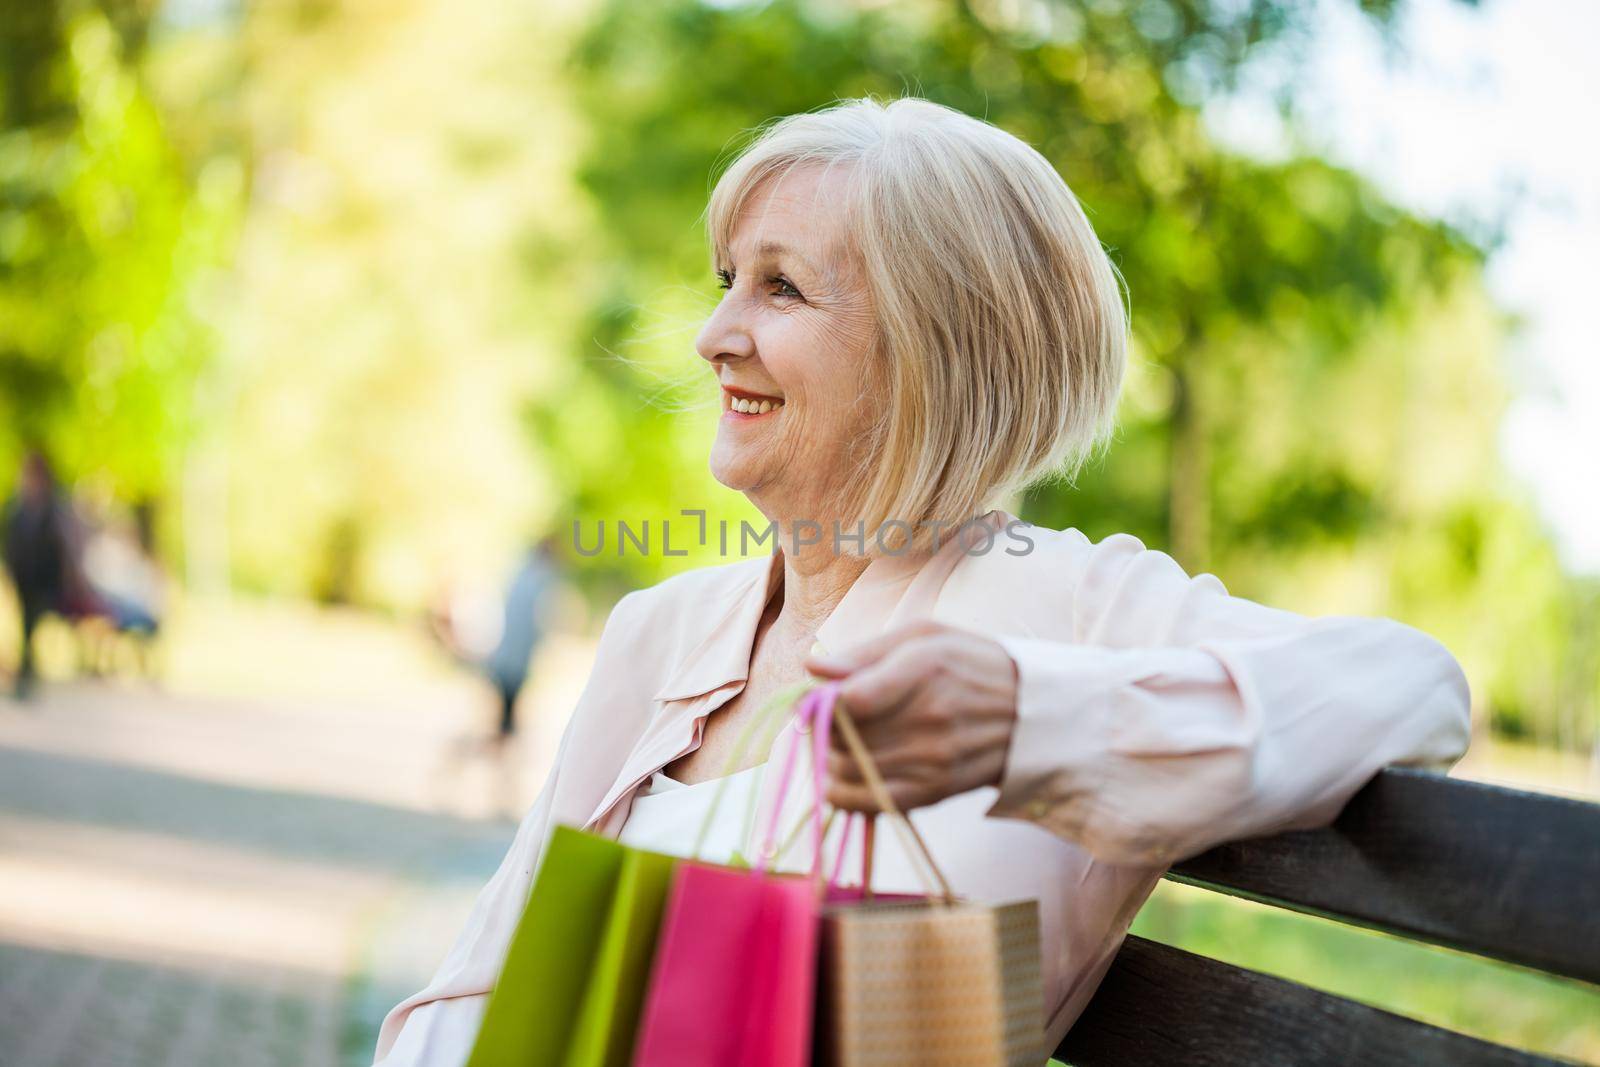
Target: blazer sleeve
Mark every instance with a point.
(427, 1027)
(437, 1026)
(1180, 717)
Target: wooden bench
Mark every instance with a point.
(1495, 872)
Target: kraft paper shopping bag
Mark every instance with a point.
(934, 982)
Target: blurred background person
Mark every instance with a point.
(498, 639)
(41, 546)
(129, 586)
(526, 618)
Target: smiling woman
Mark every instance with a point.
(918, 319)
(796, 336)
(940, 286)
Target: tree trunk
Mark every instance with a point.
(1189, 476)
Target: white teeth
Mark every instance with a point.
(752, 407)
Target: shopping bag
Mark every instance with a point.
(935, 982)
(931, 984)
(733, 982)
(734, 977)
(574, 978)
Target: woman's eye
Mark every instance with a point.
(724, 279)
(783, 287)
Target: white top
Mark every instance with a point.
(667, 816)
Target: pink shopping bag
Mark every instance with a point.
(735, 968)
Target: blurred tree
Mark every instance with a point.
(103, 232)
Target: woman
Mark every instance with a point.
(918, 320)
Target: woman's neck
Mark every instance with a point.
(814, 585)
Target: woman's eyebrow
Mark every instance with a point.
(770, 249)
(778, 248)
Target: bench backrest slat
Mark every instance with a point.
(1160, 1005)
(1497, 872)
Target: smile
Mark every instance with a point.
(742, 405)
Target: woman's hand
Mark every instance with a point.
(935, 706)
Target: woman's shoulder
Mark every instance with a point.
(1030, 551)
(1023, 551)
(678, 607)
(1050, 582)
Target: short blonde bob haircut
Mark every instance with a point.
(1002, 333)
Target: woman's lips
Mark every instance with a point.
(744, 406)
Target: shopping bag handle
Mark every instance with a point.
(832, 707)
(819, 709)
(813, 718)
(764, 717)
(769, 716)
(813, 722)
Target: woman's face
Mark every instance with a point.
(790, 343)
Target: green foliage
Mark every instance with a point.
(102, 234)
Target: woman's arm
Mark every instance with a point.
(1175, 718)
(428, 1027)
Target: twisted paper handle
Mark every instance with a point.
(819, 704)
(916, 847)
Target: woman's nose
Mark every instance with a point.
(725, 334)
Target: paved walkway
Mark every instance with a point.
(194, 883)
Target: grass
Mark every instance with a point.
(1493, 1001)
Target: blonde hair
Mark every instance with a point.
(1002, 333)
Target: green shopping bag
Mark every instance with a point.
(575, 974)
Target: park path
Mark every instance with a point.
(195, 882)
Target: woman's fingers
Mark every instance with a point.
(884, 686)
(848, 797)
(934, 707)
(936, 751)
(913, 787)
(838, 664)
(842, 767)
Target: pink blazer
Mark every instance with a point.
(1158, 716)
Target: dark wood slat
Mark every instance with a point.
(1160, 1006)
(1496, 872)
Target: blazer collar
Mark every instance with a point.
(723, 655)
(891, 591)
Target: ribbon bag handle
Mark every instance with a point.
(832, 707)
(818, 710)
(812, 721)
(766, 716)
